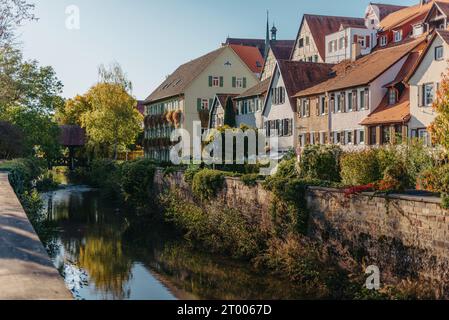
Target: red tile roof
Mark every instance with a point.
(250, 56)
(283, 51)
(321, 26)
(404, 16)
(364, 70)
(299, 75)
(386, 9)
(72, 136)
(390, 114)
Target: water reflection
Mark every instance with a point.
(107, 253)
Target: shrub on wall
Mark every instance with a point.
(321, 162)
(436, 180)
(360, 168)
(207, 183)
(136, 181)
(23, 173)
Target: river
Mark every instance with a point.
(105, 252)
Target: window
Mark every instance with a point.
(330, 45)
(337, 137)
(204, 104)
(373, 135)
(301, 43)
(305, 108)
(349, 137)
(337, 103)
(350, 102)
(362, 101)
(392, 96)
(418, 30)
(323, 105)
(439, 53)
(362, 42)
(383, 41)
(397, 35)
(307, 40)
(215, 82)
(428, 94)
(315, 58)
(239, 83)
(373, 21)
(278, 95)
(386, 135)
(341, 43)
(362, 137)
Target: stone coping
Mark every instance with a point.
(26, 270)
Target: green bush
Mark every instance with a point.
(190, 172)
(207, 183)
(251, 180)
(321, 162)
(136, 181)
(435, 180)
(23, 173)
(360, 168)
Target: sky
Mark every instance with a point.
(151, 38)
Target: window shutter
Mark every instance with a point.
(354, 137)
(290, 128)
(343, 102)
(234, 81)
(356, 38)
(317, 109)
(420, 96)
(343, 138)
(326, 107)
(368, 41)
(210, 81)
(221, 82)
(198, 104)
(355, 100)
(244, 83)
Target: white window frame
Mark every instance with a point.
(215, 82)
(397, 35)
(204, 104)
(239, 82)
(439, 53)
(428, 95)
(383, 41)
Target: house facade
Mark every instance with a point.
(280, 108)
(187, 95)
(218, 110)
(351, 95)
(310, 43)
(399, 26)
(376, 12)
(349, 43)
(249, 105)
(424, 82)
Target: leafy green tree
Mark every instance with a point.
(114, 120)
(229, 116)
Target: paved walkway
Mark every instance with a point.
(26, 271)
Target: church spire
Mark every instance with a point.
(267, 39)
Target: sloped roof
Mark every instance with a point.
(389, 114)
(282, 51)
(364, 70)
(443, 6)
(259, 89)
(72, 136)
(250, 56)
(321, 26)
(444, 34)
(178, 81)
(257, 43)
(405, 15)
(141, 107)
(223, 98)
(299, 75)
(406, 68)
(386, 9)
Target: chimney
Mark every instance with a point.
(356, 51)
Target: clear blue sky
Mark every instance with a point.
(151, 38)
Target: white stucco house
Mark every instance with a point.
(424, 82)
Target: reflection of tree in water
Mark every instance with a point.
(103, 258)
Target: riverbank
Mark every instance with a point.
(26, 271)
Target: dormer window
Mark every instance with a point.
(397, 35)
(383, 41)
(392, 96)
(418, 30)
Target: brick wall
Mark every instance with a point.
(404, 236)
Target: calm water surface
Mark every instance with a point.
(104, 252)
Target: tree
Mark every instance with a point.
(11, 141)
(229, 115)
(29, 94)
(113, 120)
(440, 127)
(12, 15)
(71, 112)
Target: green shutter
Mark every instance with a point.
(244, 83)
(221, 82)
(198, 104)
(234, 82)
(210, 81)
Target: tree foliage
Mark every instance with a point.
(440, 127)
(113, 120)
(229, 116)
(11, 141)
(12, 15)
